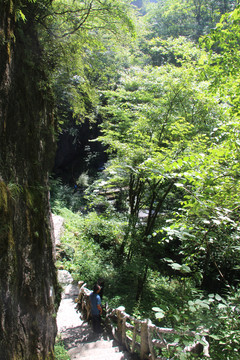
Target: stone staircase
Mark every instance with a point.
(102, 349)
(79, 339)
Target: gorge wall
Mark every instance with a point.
(28, 284)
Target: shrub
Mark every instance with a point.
(60, 352)
(94, 242)
(64, 196)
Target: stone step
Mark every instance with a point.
(98, 354)
(100, 349)
(98, 344)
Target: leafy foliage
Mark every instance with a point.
(60, 352)
(83, 30)
(222, 66)
(64, 196)
(165, 235)
(157, 122)
(226, 329)
(185, 18)
(94, 240)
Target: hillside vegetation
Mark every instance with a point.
(159, 220)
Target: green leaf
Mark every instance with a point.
(160, 315)
(159, 312)
(20, 15)
(185, 269)
(222, 306)
(218, 297)
(176, 266)
(215, 337)
(178, 185)
(156, 309)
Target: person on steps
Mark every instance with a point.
(96, 308)
(100, 282)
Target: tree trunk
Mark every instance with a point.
(141, 282)
(28, 284)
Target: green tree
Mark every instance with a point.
(152, 121)
(185, 18)
(207, 223)
(222, 65)
(85, 35)
(211, 203)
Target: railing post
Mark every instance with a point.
(144, 350)
(124, 335)
(120, 316)
(150, 343)
(134, 336)
(147, 330)
(88, 307)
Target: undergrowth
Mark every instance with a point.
(90, 250)
(60, 353)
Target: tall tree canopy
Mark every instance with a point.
(159, 125)
(185, 18)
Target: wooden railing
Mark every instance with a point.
(140, 336)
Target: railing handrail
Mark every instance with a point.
(143, 329)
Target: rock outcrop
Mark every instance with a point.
(29, 294)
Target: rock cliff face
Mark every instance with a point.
(28, 282)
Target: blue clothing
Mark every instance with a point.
(95, 300)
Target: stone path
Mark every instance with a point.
(79, 339)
